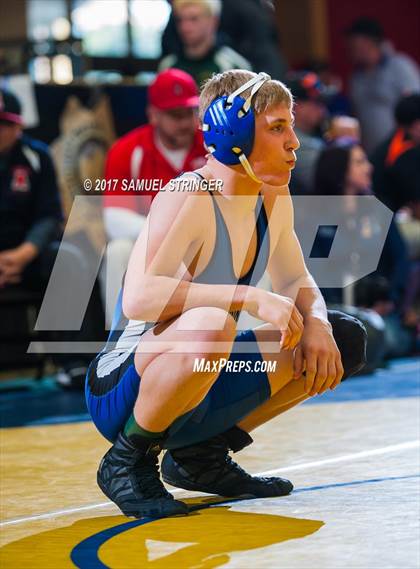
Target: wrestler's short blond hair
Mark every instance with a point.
(271, 93)
(212, 7)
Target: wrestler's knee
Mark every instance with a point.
(351, 339)
(209, 324)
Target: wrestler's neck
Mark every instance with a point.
(235, 180)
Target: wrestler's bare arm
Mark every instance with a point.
(288, 272)
(157, 283)
(317, 352)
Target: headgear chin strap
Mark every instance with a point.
(229, 126)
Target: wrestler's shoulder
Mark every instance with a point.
(188, 192)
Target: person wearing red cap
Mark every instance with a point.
(162, 149)
(170, 144)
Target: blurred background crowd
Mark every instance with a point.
(107, 90)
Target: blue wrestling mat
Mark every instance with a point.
(44, 403)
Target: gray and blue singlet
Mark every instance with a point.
(112, 381)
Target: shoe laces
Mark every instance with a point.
(232, 466)
(218, 461)
(146, 473)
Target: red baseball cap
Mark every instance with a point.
(173, 88)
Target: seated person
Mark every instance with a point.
(337, 101)
(310, 112)
(343, 130)
(30, 203)
(346, 171)
(197, 23)
(396, 182)
(159, 151)
(396, 162)
(400, 331)
(31, 227)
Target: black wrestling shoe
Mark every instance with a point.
(207, 467)
(129, 476)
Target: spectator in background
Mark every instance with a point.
(396, 176)
(197, 23)
(30, 229)
(170, 144)
(337, 101)
(396, 182)
(30, 203)
(247, 26)
(380, 78)
(343, 130)
(310, 111)
(345, 170)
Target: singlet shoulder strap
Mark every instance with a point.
(211, 192)
(192, 173)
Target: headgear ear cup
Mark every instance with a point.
(229, 126)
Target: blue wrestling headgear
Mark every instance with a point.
(229, 126)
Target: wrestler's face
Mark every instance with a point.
(274, 153)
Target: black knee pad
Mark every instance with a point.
(351, 338)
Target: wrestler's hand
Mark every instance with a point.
(318, 356)
(281, 312)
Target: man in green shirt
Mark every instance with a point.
(197, 22)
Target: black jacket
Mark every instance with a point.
(396, 184)
(30, 206)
